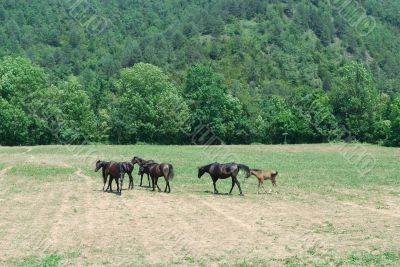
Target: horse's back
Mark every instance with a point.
(115, 169)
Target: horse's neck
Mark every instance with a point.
(213, 167)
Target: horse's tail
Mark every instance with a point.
(244, 168)
(170, 175)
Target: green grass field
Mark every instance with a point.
(338, 205)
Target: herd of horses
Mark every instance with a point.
(116, 171)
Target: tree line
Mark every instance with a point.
(146, 105)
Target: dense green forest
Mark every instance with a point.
(253, 71)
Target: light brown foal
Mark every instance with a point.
(263, 175)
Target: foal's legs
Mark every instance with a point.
(259, 184)
(268, 192)
(275, 185)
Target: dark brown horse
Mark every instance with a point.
(116, 171)
(104, 165)
(159, 170)
(223, 171)
(141, 162)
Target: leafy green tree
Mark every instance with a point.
(282, 125)
(2, 13)
(355, 100)
(394, 136)
(14, 124)
(77, 120)
(19, 78)
(313, 108)
(64, 114)
(212, 105)
(150, 108)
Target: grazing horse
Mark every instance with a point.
(140, 162)
(223, 171)
(104, 165)
(157, 170)
(263, 175)
(117, 171)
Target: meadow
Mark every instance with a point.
(337, 205)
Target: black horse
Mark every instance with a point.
(223, 171)
(141, 162)
(104, 165)
(159, 170)
(117, 171)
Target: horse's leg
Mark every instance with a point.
(233, 185)
(121, 181)
(148, 179)
(117, 181)
(105, 182)
(275, 185)
(110, 183)
(159, 189)
(259, 184)
(215, 186)
(166, 185)
(265, 189)
(238, 184)
(130, 181)
(153, 183)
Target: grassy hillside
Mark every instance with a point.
(267, 46)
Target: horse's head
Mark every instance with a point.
(99, 164)
(136, 160)
(201, 172)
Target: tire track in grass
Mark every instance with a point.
(5, 170)
(374, 210)
(218, 210)
(28, 150)
(44, 239)
(64, 220)
(28, 241)
(88, 205)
